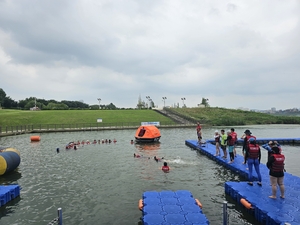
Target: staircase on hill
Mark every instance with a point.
(175, 117)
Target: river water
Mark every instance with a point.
(102, 183)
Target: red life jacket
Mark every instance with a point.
(217, 138)
(231, 141)
(234, 136)
(165, 168)
(278, 164)
(253, 150)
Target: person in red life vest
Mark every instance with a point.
(235, 138)
(165, 167)
(253, 156)
(276, 166)
(230, 142)
(247, 135)
(217, 141)
(199, 132)
(268, 146)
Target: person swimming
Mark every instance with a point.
(136, 155)
(158, 159)
(165, 167)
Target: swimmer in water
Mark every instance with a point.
(158, 159)
(136, 155)
(165, 167)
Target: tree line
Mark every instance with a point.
(8, 103)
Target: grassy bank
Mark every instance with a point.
(209, 116)
(227, 117)
(20, 117)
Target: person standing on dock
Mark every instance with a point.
(217, 141)
(253, 156)
(235, 138)
(270, 145)
(276, 166)
(230, 143)
(224, 143)
(247, 135)
(199, 132)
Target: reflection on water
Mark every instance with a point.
(103, 182)
(10, 178)
(147, 146)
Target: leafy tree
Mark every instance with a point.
(111, 106)
(2, 96)
(94, 107)
(31, 104)
(205, 102)
(54, 106)
(9, 103)
(141, 104)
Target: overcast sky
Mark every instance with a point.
(236, 53)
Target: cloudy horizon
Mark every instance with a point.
(234, 53)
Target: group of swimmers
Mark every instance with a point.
(165, 168)
(75, 145)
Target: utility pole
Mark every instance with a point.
(164, 99)
(99, 99)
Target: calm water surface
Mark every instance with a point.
(102, 183)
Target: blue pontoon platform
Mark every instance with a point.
(8, 193)
(171, 207)
(266, 210)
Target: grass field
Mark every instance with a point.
(20, 117)
(208, 116)
(221, 116)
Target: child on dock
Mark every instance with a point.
(217, 141)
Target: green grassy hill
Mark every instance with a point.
(222, 116)
(209, 116)
(20, 117)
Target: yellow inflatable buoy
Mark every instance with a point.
(9, 159)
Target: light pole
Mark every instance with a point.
(183, 101)
(164, 99)
(149, 99)
(99, 99)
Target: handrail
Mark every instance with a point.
(47, 128)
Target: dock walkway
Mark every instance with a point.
(265, 210)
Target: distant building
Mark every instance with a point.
(34, 108)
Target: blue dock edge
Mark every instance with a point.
(171, 207)
(265, 210)
(8, 193)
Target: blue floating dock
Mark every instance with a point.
(266, 140)
(171, 207)
(8, 193)
(265, 210)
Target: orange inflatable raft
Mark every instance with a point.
(148, 133)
